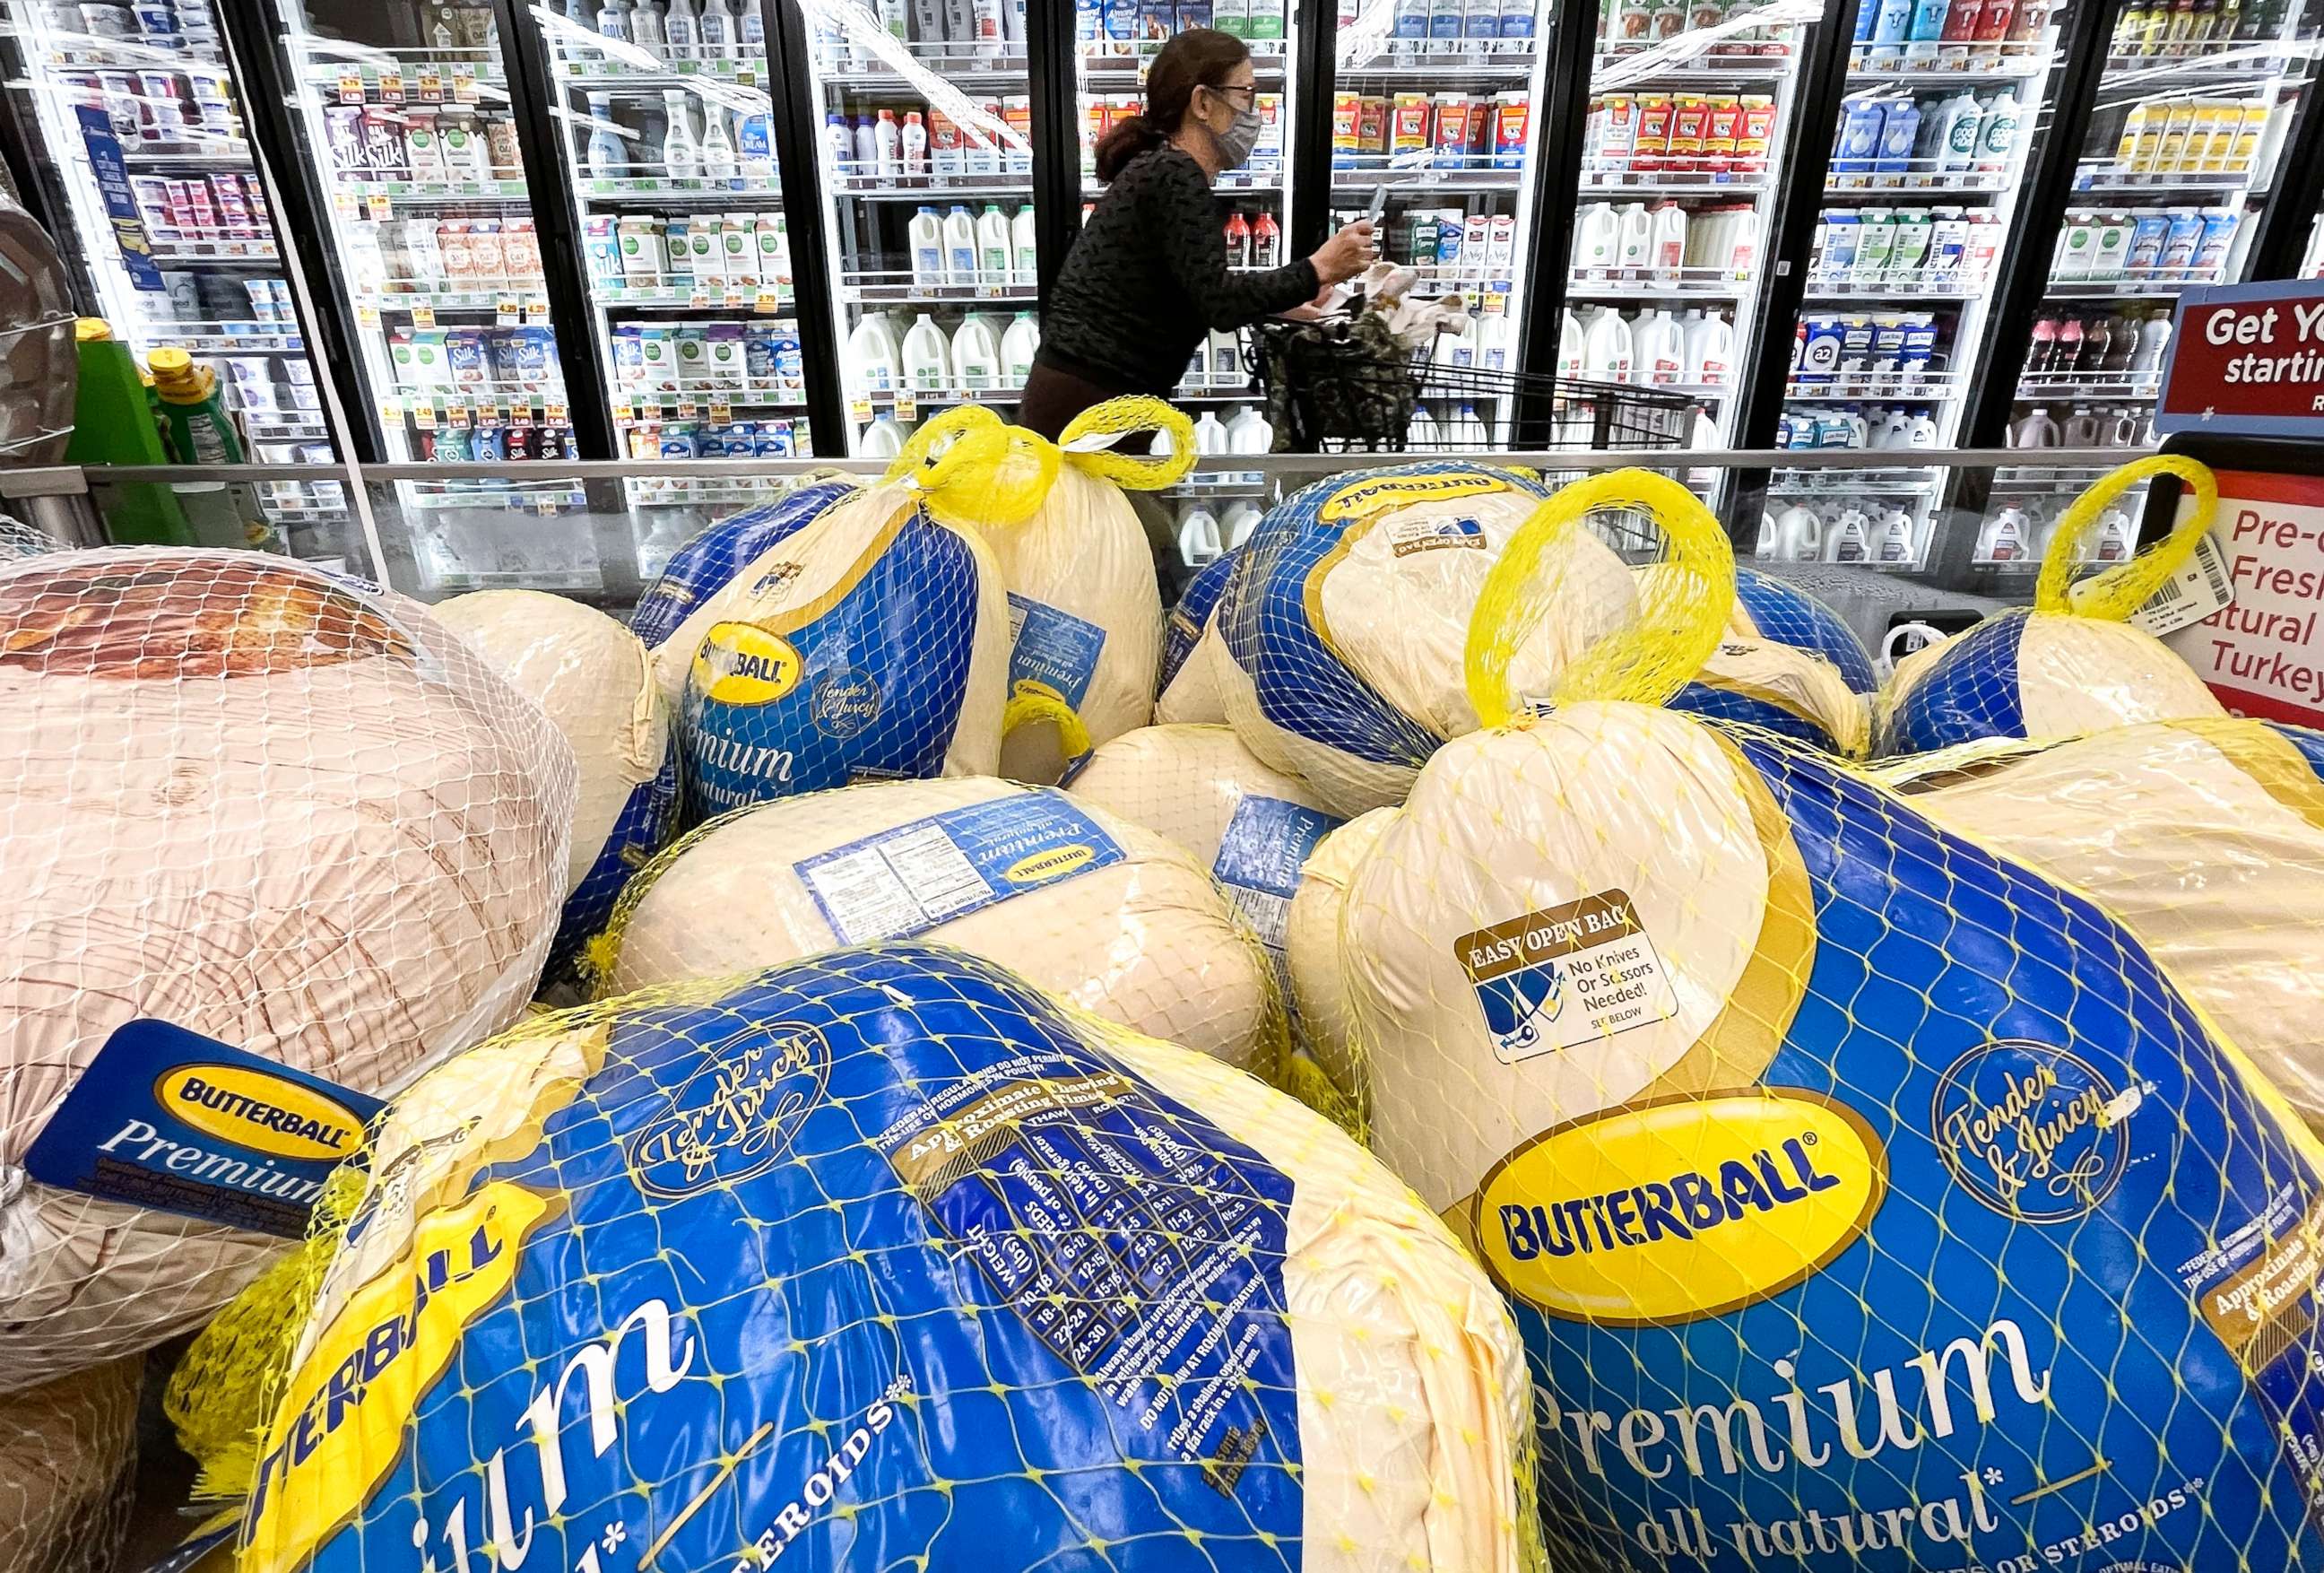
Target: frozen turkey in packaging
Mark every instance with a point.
(68, 1470)
(709, 562)
(1252, 827)
(595, 680)
(888, 1260)
(1786, 689)
(1324, 1028)
(260, 804)
(1345, 624)
(1085, 610)
(2071, 663)
(1866, 1200)
(871, 643)
(1191, 617)
(2204, 837)
(1770, 608)
(1112, 916)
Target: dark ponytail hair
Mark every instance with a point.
(1201, 57)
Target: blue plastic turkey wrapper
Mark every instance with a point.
(876, 1260)
(2004, 1260)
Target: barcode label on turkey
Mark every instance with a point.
(908, 880)
(2200, 587)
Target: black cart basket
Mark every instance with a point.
(1346, 384)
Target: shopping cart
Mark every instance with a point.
(1342, 384)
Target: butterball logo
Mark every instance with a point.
(2034, 1133)
(742, 663)
(845, 702)
(1672, 1209)
(736, 1116)
(269, 1113)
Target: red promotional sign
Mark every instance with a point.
(2248, 360)
(2263, 655)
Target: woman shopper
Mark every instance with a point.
(1147, 277)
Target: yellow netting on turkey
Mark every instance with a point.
(884, 1259)
(1864, 1200)
(1084, 607)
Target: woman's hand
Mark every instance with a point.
(1345, 254)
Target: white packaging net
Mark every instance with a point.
(266, 806)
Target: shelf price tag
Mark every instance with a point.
(504, 312)
(351, 88)
(721, 410)
(908, 405)
(423, 415)
(623, 411)
(377, 207)
(536, 313)
(463, 83)
(767, 302)
(859, 408)
(734, 299)
(700, 297)
(431, 86)
(553, 415)
(686, 409)
(367, 315)
(423, 316)
(343, 204)
(391, 86)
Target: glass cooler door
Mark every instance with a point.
(927, 163)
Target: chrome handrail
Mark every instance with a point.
(64, 479)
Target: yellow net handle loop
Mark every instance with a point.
(1087, 442)
(970, 468)
(1036, 701)
(934, 436)
(2113, 596)
(1684, 599)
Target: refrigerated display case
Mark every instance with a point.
(140, 143)
(926, 159)
(2184, 146)
(409, 138)
(664, 124)
(1690, 118)
(1113, 45)
(1433, 107)
(1928, 165)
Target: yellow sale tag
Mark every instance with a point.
(379, 206)
(423, 415)
(766, 301)
(343, 204)
(391, 86)
(686, 409)
(351, 88)
(554, 415)
(423, 317)
(720, 410)
(908, 407)
(431, 86)
(859, 409)
(367, 315)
